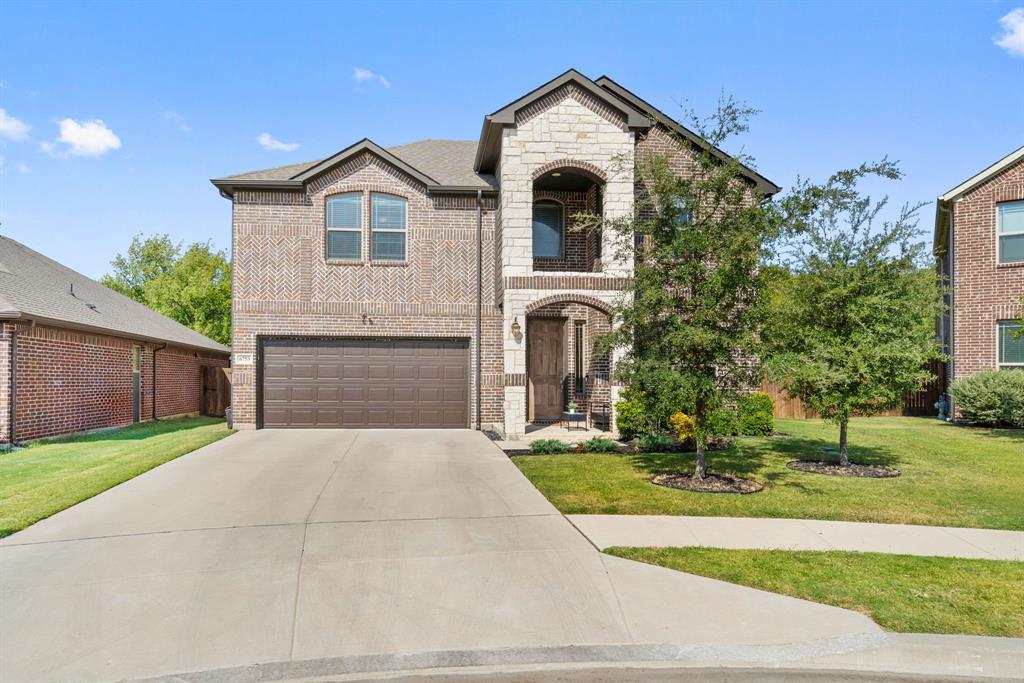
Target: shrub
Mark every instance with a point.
(757, 414)
(991, 397)
(548, 447)
(683, 425)
(722, 422)
(600, 444)
(654, 443)
(629, 417)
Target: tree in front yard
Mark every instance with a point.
(192, 287)
(695, 313)
(852, 330)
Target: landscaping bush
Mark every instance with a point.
(629, 417)
(600, 444)
(548, 447)
(683, 425)
(757, 414)
(654, 443)
(991, 397)
(723, 422)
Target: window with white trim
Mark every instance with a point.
(387, 227)
(1010, 231)
(345, 226)
(1010, 340)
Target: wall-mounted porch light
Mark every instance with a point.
(517, 331)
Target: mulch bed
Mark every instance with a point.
(834, 469)
(711, 483)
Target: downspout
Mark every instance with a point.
(155, 349)
(479, 301)
(952, 308)
(13, 403)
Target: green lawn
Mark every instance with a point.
(952, 476)
(900, 592)
(49, 476)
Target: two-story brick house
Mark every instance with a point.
(441, 283)
(979, 243)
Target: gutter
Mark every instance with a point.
(13, 403)
(479, 301)
(155, 349)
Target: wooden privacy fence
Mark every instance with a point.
(919, 403)
(216, 390)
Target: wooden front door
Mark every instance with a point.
(545, 366)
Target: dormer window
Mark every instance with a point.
(548, 229)
(345, 226)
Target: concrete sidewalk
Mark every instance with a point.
(799, 534)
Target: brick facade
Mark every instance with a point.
(984, 291)
(71, 381)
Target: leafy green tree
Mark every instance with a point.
(192, 287)
(851, 331)
(147, 259)
(696, 307)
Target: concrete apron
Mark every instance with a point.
(382, 550)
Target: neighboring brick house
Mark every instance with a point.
(441, 283)
(979, 242)
(85, 357)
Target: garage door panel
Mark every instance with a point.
(365, 383)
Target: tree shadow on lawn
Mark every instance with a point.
(762, 459)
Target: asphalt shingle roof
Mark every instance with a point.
(449, 162)
(34, 286)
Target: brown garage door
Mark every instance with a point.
(365, 383)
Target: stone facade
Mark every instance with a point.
(985, 292)
(72, 381)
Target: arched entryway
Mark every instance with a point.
(562, 192)
(563, 364)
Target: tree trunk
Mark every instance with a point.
(699, 470)
(844, 455)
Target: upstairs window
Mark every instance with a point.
(547, 229)
(681, 210)
(1010, 231)
(1010, 340)
(345, 226)
(387, 227)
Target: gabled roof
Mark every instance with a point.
(441, 165)
(940, 237)
(35, 287)
(490, 134)
(763, 184)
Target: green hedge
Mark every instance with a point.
(757, 414)
(991, 397)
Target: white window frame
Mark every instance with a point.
(404, 230)
(1000, 324)
(360, 230)
(999, 254)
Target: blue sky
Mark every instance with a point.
(185, 91)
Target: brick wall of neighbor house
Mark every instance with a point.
(984, 292)
(283, 285)
(5, 381)
(71, 381)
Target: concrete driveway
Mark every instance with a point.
(378, 549)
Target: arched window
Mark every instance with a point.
(548, 229)
(387, 227)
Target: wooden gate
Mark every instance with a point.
(216, 390)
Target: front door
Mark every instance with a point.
(545, 366)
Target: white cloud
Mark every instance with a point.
(83, 138)
(267, 141)
(178, 120)
(367, 76)
(23, 169)
(1012, 39)
(12, 128)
